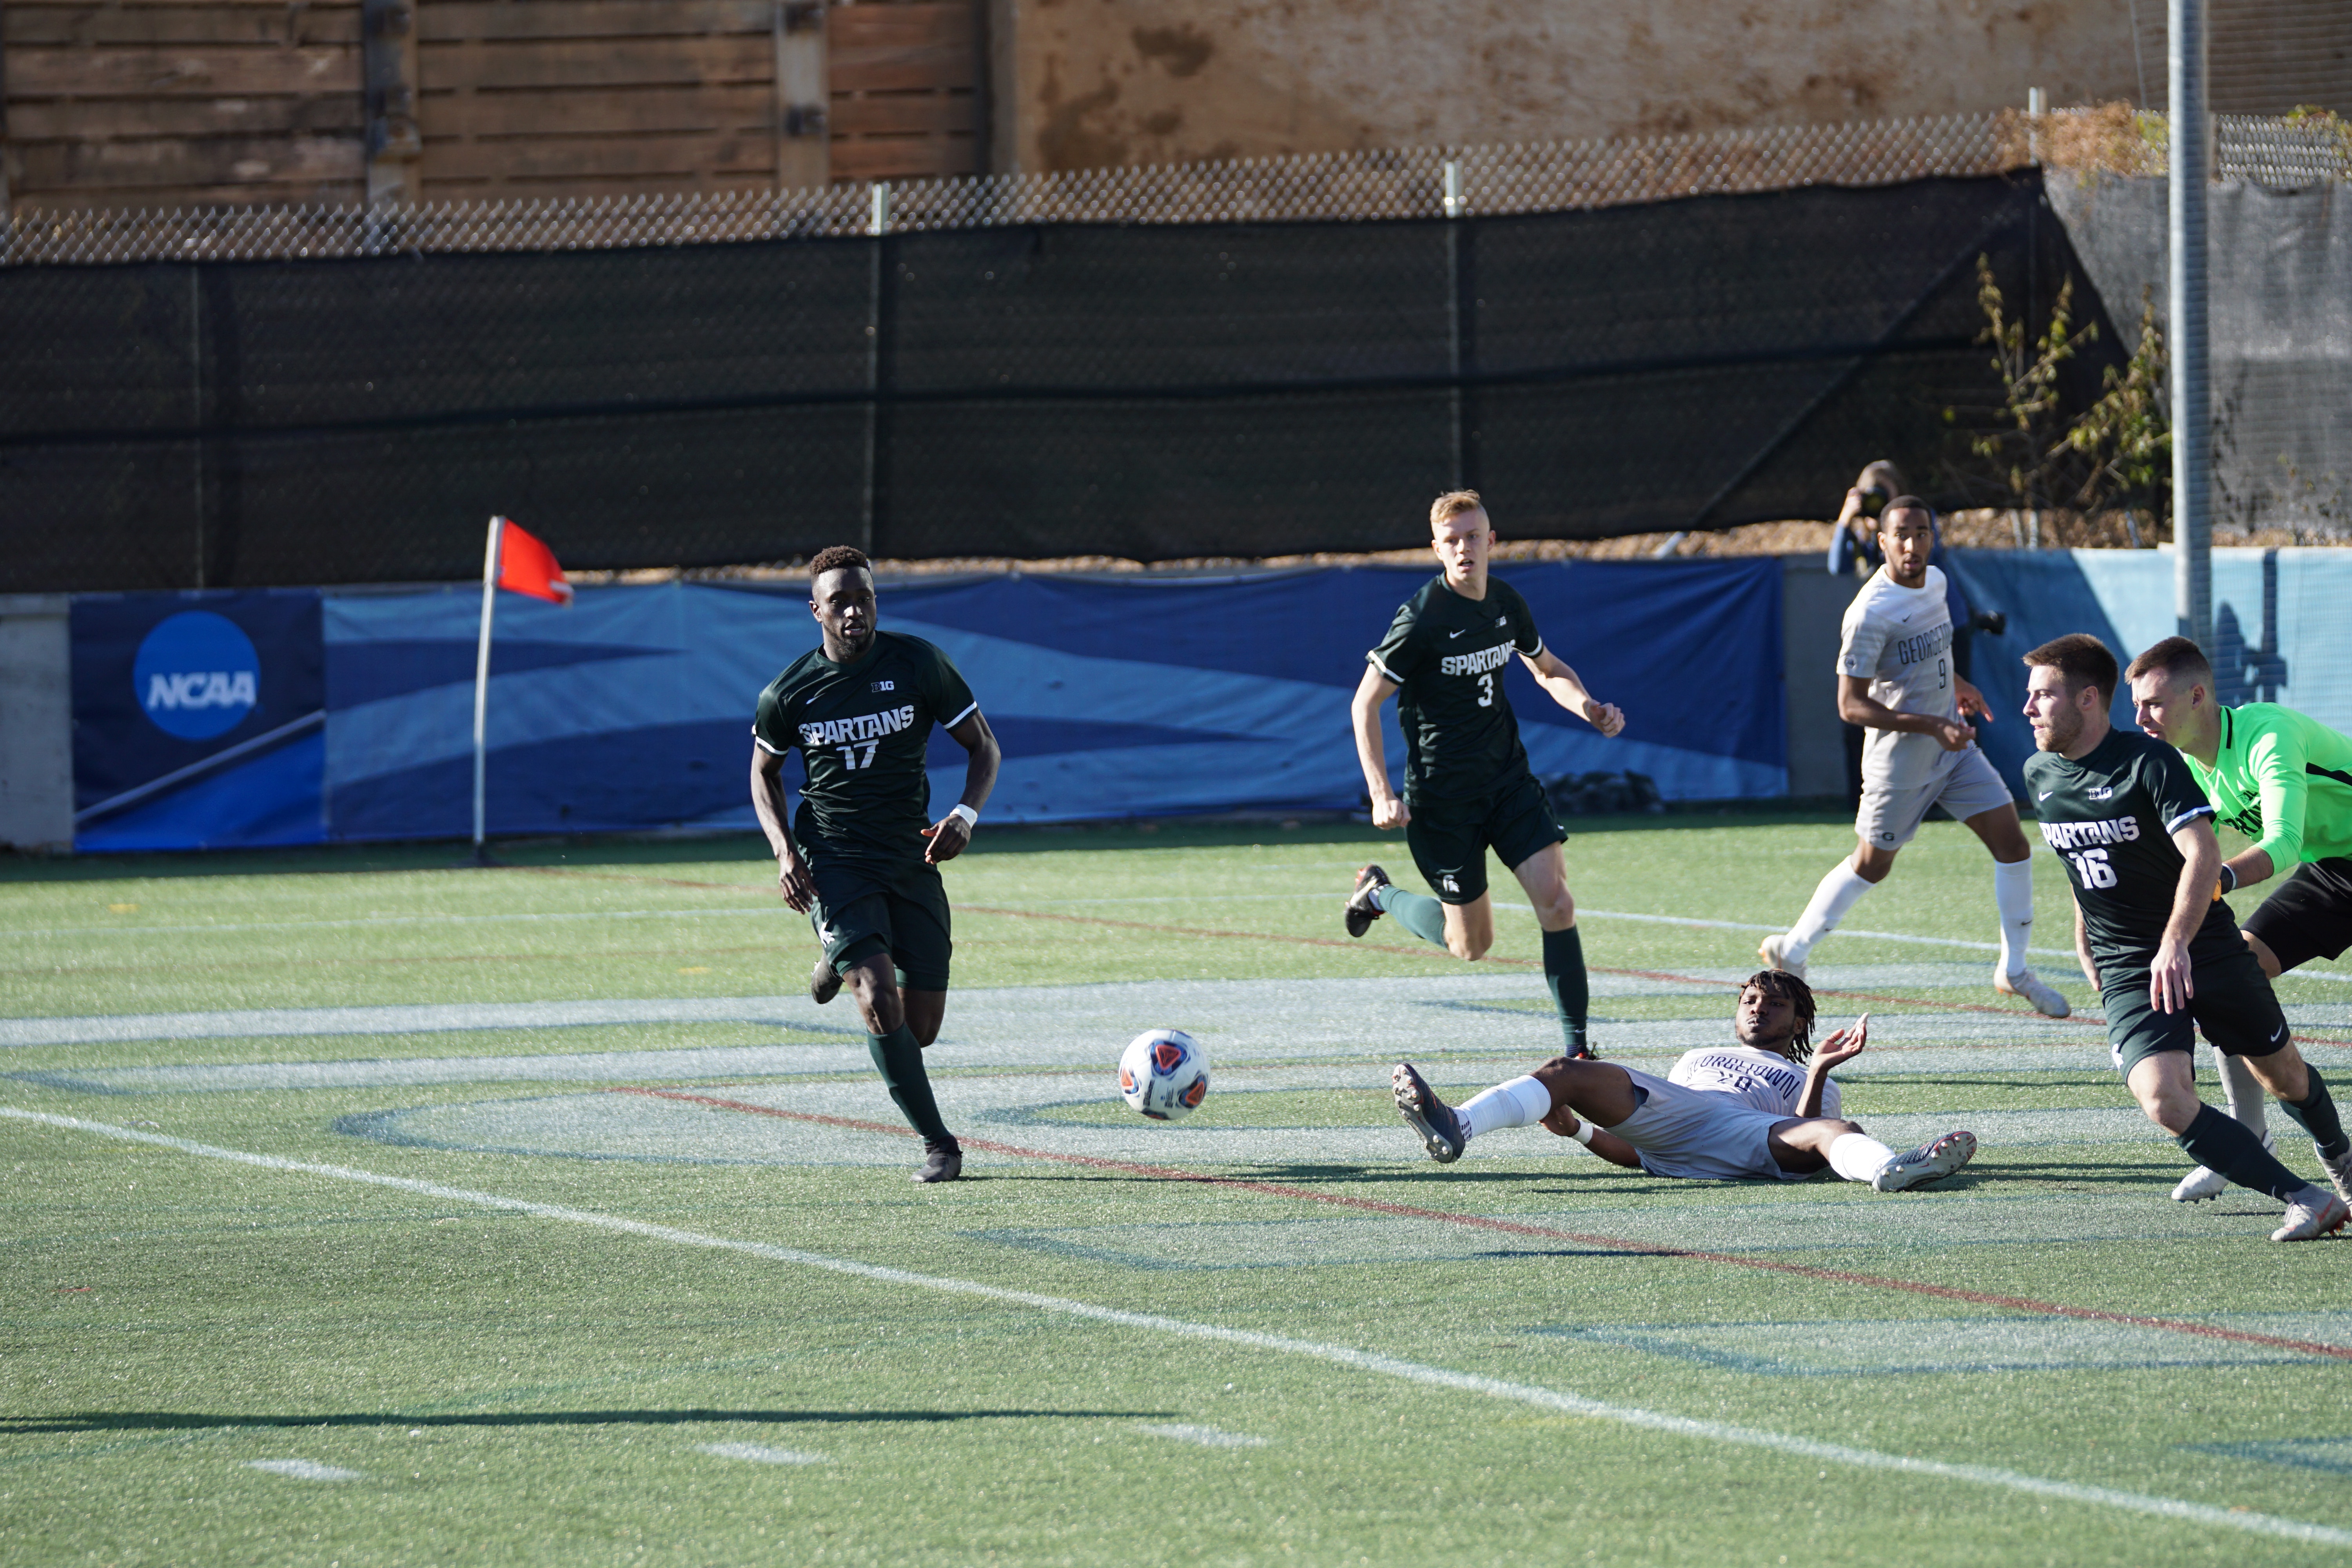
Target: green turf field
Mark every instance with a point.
(371, 1210)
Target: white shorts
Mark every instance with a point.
(1963, 783)
(1698, 1135)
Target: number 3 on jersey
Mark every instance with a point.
(2091, 868)
(1486, 689)
(852, 760)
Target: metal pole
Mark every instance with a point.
(482, 681)
(2192, 410)
(1454, 312)
(877, 228)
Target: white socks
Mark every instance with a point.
(1522, 1102)
(1836, 895)
(2012, 895)
(1858, 1157)
(2245, 1092)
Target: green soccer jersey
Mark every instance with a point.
(1447, 655)
(861, 730)
(2111, 818)
(2283, 780)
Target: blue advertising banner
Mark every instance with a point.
(199, 720)
(632, 707)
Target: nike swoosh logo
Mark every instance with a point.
(1454, 634)
(2282, 1034)
(2046, 794)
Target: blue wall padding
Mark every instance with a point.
(272, 800)
(632, 708)
(2124, 597)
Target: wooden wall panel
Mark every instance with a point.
(170, 102)
(569, 98)
(907, 97)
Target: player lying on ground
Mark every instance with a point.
(1895, 678)
(2137, 836)
(2285, 781)
(859, 710)
(1724, 1113)
(1468, 784)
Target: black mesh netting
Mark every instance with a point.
(1150, 392)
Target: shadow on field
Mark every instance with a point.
(197, 1420)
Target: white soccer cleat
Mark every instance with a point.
(1769, 950)
(2031, 986)
(2206, 1182)
(2339, 1171)
(2308, 1219)
(1930, 1161)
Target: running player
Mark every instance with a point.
(1468, 784)
(1895, 678)
(2125, 814)
(859, 709)
(2285, 781)
(1724, 1113)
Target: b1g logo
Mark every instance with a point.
(196, 675)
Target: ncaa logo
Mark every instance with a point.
(196, 676)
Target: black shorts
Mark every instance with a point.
(2234, 1006)
(1449, 838)
(868, 907)
(2310, 915)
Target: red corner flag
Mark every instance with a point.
(527, 566)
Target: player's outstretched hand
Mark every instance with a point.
(793, 879)
(2170, 986)
(1605, 717)
(1841, 1046)
(1391, 812)
(1971, 700)
(1560, 1121)
(948, 837)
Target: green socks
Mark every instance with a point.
(2217, 1143)
(2317, 1116)
(1564, 973)
(1417, 913)
(900, 1062)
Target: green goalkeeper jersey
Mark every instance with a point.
(2283, 780)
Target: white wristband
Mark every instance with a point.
(970, 817)
(1584, 1134)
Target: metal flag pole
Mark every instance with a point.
(482, 685)
(2191, 135)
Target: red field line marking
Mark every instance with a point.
(1514, 1227)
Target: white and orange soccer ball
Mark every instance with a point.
(1164, 1074)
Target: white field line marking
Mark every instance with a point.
(1583, 914)
(367, 921)
(305, 1471)
(1206, 1436)
(1339, 1355)
(757, 1455)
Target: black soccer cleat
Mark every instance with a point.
(941, 1165)
(1441, 1129)
(824, 981)
(1361, 910)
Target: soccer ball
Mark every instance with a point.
(1164, 1074)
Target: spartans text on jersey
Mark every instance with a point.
(2074, 835)
(861, 727)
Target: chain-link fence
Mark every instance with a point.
(1154, 363)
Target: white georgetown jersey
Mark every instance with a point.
(1900, 640)
(1765, 1079)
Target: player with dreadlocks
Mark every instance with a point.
(1763, 1109)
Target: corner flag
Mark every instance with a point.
(515, 559)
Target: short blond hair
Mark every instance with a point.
(1452, 504)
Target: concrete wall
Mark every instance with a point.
(36, 723)
(1812, 606)
(1089, 83)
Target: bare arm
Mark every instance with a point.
(1552, 673)
(1608, 1146)
(768, 804)
(1834, 1052)
(951, 834)
(1372, 750)
(1857, 706)
(2251, 866)
(2169, 985)
(2083, 946)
